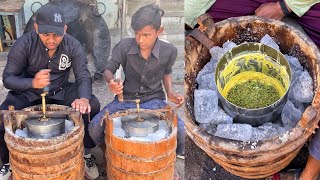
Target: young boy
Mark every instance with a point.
(146, 61)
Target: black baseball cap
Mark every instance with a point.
(50, 19)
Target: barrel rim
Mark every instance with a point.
(45, 143)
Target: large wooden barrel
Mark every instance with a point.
(59, 158)
(129, 159)
(267, 156)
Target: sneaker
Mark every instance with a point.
(181, 156)
(90, 167)
(5, 172)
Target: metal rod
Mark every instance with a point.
(44, 108)
(138, 106)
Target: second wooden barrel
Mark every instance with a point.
(129, 159)
(58, 158)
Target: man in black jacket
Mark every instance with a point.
(43, 58)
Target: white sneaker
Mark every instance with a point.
(90, 167)
(5, 172)
(181, 156)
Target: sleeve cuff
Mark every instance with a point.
(300, 8)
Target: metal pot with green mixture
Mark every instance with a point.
(253, 81)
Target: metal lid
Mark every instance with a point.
(134, 127)
(44, 129)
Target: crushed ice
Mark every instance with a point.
(69, 125)
(162, 133)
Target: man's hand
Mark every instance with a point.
(115, 87)
(41, 79)
(81, 105)
(270, 10)
(176, 98)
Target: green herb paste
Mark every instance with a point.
(253, 94)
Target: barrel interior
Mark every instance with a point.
(160, 115)
(268, 156)
(248, 29)
(16, 119)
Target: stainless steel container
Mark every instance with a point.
(140, 128)
(258, 116)
(45, 129)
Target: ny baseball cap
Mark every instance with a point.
(50, 19)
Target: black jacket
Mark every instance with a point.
(28, 55)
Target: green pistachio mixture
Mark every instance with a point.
(253, 94)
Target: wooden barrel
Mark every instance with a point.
(59, 158)
(129, 159)
(269, 156)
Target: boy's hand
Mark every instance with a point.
(41, 79)
(115, 87)
(82, 105)
(176, 98)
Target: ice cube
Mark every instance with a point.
(216, 53)
(206, 81)
(210, 67)
(143, 139)
(267, 40)
(210, 128)
(160, 134)
(240, 132)
(68, 125)
(294, 63)
(117, 122)
(290, 115)
(303, 89)
(163, 125)
(221, 117)
(205, 105)
(119, 132)
(228, 46)
(266, 131)
(295, 74)
(21, 133)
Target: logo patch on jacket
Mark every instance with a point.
(64, 62)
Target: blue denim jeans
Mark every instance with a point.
(97, 132)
